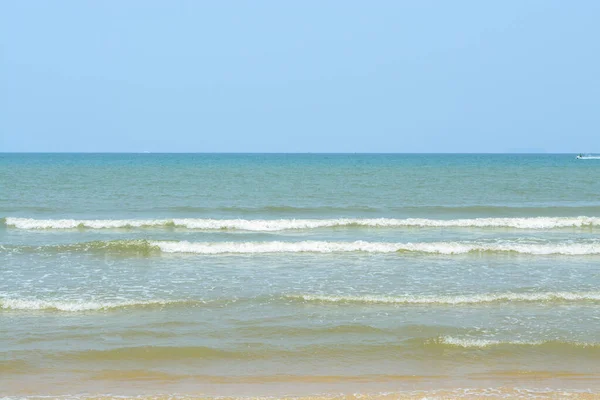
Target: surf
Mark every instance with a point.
(268, 225)
(153, 247)
(452, 300)
(82, 305)
(323, 247)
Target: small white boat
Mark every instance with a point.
(587, 157)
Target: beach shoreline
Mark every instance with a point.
(149, 386)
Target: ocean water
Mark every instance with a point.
(269, 275)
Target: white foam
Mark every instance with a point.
(30, 223)
(454, 299)
(482, 343)
(264, 225)
(376, 247)
(75, 306)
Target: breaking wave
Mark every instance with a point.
(543, 297)
(488, 343)
(265, 225)
(147, 247)
(77, 306)
(377, 247)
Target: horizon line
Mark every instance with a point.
(283, 153)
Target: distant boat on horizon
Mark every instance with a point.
(587, 157)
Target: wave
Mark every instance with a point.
(155, 353)
(266, 225)
(371, 350)
(468, 299)
(543, 297)
(139, 247)
(487, 343)
(77, 306)
(311, 246)
(147, 247)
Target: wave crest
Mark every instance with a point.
(265, 225)
(544, 297)
(147, 248)
(487, 343)
(447, 248)
(75, 306)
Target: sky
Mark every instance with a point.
(300, 76)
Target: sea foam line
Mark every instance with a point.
(265, 225)
(375, 247)
(75, 306)
(484, 298)
(483, 343)
(146, 247)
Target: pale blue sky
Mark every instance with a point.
(302, 76)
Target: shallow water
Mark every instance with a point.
(235, 275)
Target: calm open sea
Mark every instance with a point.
(250, 275)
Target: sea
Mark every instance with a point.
(181, 276)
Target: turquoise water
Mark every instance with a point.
(194, 273)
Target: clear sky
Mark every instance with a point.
(300, 76)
